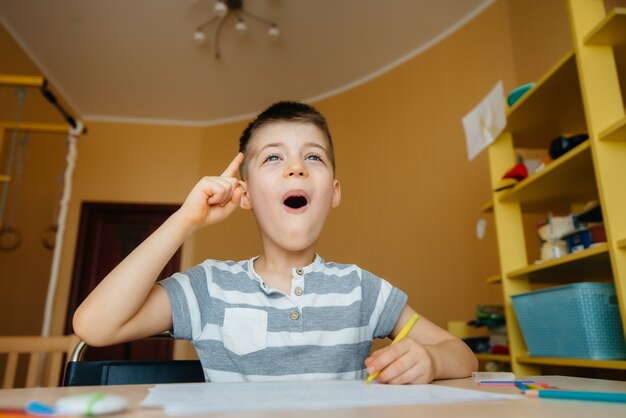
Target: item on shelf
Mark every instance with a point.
(551, 231)
(555, 227)
(562, 144)
(497, 366)
(598, 233)
(517, 93)
(492, 317)
(553, 249)
(589, 229)
(585, 237)
(579, 320)
(498, 339)
(591, 213)
(531, 165)
(543, 163)
(490, 314)
(477, 344)
(517, 173)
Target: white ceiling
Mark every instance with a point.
(136, 60)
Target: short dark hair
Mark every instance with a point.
(286, 111)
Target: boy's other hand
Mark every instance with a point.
(407, 361)
(213, 199)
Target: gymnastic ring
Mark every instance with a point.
(10, 239)
(48, 237)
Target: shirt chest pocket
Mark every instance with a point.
(245, 330)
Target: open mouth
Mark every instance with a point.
(296, 201)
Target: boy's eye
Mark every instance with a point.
(313, 157)
(271, 158)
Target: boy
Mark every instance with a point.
(286, 314)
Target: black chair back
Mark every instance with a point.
(97, 373)
(129, 372)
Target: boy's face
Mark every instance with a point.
(289, 183)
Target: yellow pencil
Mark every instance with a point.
(402, 334)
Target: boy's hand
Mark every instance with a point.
(407, 361)
(213, 199)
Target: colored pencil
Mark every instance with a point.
(578, 395)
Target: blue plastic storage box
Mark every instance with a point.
(580, 320)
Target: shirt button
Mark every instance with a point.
(298, 291)
(299, 272)
(295, 315)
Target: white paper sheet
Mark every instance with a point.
(199, 398)
(485, 122)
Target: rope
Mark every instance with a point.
(11, 237)
(70, 159)
(19, 173)
(72, 137)
(48, 236)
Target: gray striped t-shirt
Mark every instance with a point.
(244, 330)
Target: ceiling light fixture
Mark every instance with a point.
(224, 10)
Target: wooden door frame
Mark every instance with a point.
(88, 210)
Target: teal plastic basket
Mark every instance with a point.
(580, 320)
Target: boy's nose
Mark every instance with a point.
(296, 169)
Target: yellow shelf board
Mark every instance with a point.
(615, 132)
(590, 264)
(610, 31)
(51, 128)
(487, 207)
(574, 362)
(551, 108)
(566, 180)
(21, 80)
(621, 243)
(494, 278)
(504, 358)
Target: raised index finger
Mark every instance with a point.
(233, 167)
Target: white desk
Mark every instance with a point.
(526, 408)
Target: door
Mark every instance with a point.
(108, 232)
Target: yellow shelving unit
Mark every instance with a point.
(552, 106)
(494, 278)
(590, 264)
(615, 132)
(570, 178)
(610, 30)
(573, 362)
(580, 94)
(487, 207)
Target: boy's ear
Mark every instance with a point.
(336, 193)
(245, 202)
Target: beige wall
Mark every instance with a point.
(540, 36)
(410, 197)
